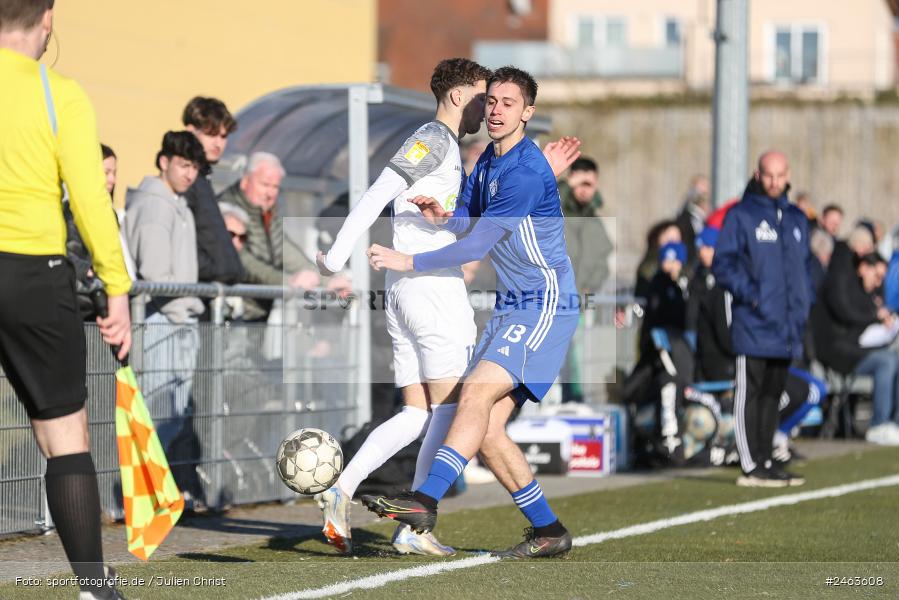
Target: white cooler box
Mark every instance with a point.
(546, 443)
(581, 445)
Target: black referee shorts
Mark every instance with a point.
(42, 348)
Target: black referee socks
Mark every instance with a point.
(74, 503)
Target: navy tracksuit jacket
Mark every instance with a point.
(762, 258)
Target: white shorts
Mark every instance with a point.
(431, 323)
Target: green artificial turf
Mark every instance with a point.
(782, 552)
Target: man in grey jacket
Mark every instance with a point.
(265, 258)
(589, 248)
(162, 239)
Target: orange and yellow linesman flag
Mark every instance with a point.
(153, 503)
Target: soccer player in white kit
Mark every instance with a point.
(429, 316)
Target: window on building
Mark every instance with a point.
(616, 32)
(798, 53)
(672, 32)
(597, 31)
(811, 42)
(586, 32)
(783, 55)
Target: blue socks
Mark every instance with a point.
(445, 470)
(448, 466)
(531, 501)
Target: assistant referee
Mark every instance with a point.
(48, 136)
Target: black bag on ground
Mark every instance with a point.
(394, 475)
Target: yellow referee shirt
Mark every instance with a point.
(34, 161)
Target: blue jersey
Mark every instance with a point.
(518, 192)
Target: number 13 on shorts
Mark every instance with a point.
(514, 332)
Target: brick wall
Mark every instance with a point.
(413, 36)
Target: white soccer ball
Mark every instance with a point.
(309, 460)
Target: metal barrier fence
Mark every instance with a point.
(608, 342)
(223, 394)
(220, 418)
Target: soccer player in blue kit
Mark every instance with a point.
(513, 193)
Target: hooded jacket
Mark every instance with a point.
(763, 260)
(162, 239)
(842, 313)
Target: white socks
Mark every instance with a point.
(441, 419)
(383, 442)
(395, 434)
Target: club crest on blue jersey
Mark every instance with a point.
(493, 186)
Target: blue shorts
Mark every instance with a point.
(529, 345)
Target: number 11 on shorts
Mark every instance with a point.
(514, 333)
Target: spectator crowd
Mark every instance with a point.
(175, 229)
(772, 304)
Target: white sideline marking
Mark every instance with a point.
(383, 579)
(374, 581)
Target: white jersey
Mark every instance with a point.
(429, 317)
(430, 163)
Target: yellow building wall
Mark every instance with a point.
(141, 62)
(858, 46)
